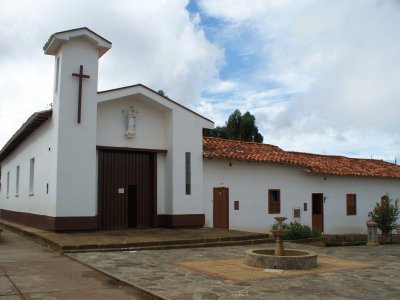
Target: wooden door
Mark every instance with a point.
(221, 208)
(126, 189)
(318, 211)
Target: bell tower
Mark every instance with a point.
(76, 53)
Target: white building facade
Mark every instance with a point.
(130, 157)
(296, 189)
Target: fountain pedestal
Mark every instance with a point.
(279, 258)
(279, 233)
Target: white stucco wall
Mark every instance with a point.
(187, 137)
(249, 183)
(152, 123)
(39, 145)
(160, 124)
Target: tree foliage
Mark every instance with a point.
(385, 214)
(238, 127)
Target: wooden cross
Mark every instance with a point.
(81, 76)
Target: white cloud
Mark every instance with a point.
(155, 42)
(222, 86)
(339, 62)
(323, 77)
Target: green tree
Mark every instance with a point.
(238, 127)
(385, 214)
(248, 129)
(233, 125)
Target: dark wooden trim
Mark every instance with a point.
(131, 149)
(351, 204)
(48, 222)
(80, 75)
(155, 219)
(181, 221)
(274, 207)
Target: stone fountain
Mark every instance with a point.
(279, 258)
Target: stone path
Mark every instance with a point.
(348, 273)
(31, 271)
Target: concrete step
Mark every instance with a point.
(179, 243)
(168, 246)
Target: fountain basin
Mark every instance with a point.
(291, 260)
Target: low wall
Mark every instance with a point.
(356, 239)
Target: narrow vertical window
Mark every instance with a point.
(274, 201)
(351, 206)
(8, 184)
(188, 173)
(17, 182)
(31, 175)
(57, 75)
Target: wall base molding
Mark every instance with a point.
(90, 223)
(181, 221)
(48, 222)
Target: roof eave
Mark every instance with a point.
(34, 122)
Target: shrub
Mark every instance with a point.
(298, 231)
(385, 214)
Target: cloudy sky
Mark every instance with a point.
(320, 76)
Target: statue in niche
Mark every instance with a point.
(131, 118)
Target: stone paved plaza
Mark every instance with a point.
(359, 272)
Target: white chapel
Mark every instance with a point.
(121, 158)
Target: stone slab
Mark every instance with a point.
(6, 287)
(61, 265)
(31, 271)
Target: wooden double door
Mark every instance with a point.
(126, 189)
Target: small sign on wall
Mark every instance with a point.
(296, 213)
(121, 191)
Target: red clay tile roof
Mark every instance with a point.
(321, 164)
